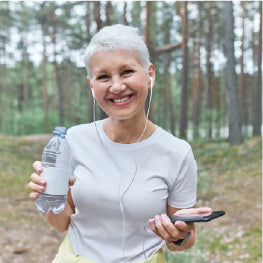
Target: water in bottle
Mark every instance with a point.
(56, 170)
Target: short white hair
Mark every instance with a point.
(118, 37)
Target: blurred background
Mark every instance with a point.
(208, 60)
(207, 54)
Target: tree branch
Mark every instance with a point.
(168, 48)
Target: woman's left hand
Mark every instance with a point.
(162, 226)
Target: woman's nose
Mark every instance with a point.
(117, 85)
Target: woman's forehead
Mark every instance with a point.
(109, 58)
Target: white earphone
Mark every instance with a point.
(151, 79)
(92, 92)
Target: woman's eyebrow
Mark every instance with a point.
(129, 65)
(99, 71)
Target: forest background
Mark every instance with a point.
(207, 56)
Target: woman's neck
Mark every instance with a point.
(128, 131)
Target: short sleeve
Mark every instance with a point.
(182, 194)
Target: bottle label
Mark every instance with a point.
(57, 180)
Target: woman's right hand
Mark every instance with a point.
(37, 183)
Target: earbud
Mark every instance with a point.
(92, 92)
(151, 79)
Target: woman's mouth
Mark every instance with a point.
(122, 101)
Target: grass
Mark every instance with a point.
(16, 157)
(229, 179)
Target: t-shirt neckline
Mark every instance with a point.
(123, 146)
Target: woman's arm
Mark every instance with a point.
(183, 230)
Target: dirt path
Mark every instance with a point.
(42, 138)
(25, 236)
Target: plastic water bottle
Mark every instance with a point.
(56, 170)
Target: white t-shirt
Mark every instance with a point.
(119, 187)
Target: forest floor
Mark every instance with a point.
(229, 179)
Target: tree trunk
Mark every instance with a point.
(232, 98)
(257, 111)
(209, 74)
(197, 100)
(124, 15)
(184, 91)
(25, 71)
(43, 21)
(56, 71)
(89, 96)
(147, 26)
(148, 41)
(167, 86)
(109, 13)
(44, 81)
(241, 96)
(96, 14)
(97, 18)
(194, 86)
(68, 91)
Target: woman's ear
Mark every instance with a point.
(88, 78)
(151, 73)
(90, 85)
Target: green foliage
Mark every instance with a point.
(16, 161)
(229, 178)
(255, 248)
(217, 153)
(204, 181)
(34, 121)
(25, 25)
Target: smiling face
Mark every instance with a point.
(120, 83)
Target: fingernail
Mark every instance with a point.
(158, 219)
(41, 188)
(179, 224)
(151, 223)
(42, 181)
(164, 217)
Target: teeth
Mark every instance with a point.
(121, 100)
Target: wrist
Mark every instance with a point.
(181, 242)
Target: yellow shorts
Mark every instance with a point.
(66, 255)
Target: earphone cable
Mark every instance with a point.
(134, 175)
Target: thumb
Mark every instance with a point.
(182, 225)
(72, 180)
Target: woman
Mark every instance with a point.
(129, 173)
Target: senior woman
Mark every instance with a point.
(129, 173)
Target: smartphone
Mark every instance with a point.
(196, 218)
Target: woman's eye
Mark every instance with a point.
(102, 77)
(128, 71)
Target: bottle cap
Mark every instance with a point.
(60, 130)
